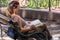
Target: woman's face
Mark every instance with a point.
(16, 10)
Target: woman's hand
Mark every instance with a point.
(27, 27)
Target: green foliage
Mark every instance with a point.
(41, 3)
(4, 3)
(32, 3)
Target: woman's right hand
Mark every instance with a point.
(27, 27)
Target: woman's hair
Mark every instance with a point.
(13, 5)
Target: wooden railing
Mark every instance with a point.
(28, 13)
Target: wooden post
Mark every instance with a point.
(24, 13)
(50, 15)
(36, 3)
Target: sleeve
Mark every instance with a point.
(18, 21)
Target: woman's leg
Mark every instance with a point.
(10, 32)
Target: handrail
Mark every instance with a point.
(4, 17)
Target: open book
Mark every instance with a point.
(36, 23)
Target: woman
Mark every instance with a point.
(22, 26)
(12, 10)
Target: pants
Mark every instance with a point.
(11, 33)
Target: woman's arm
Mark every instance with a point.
(24, 21)
(21, 28)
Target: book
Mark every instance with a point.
(36, 23)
